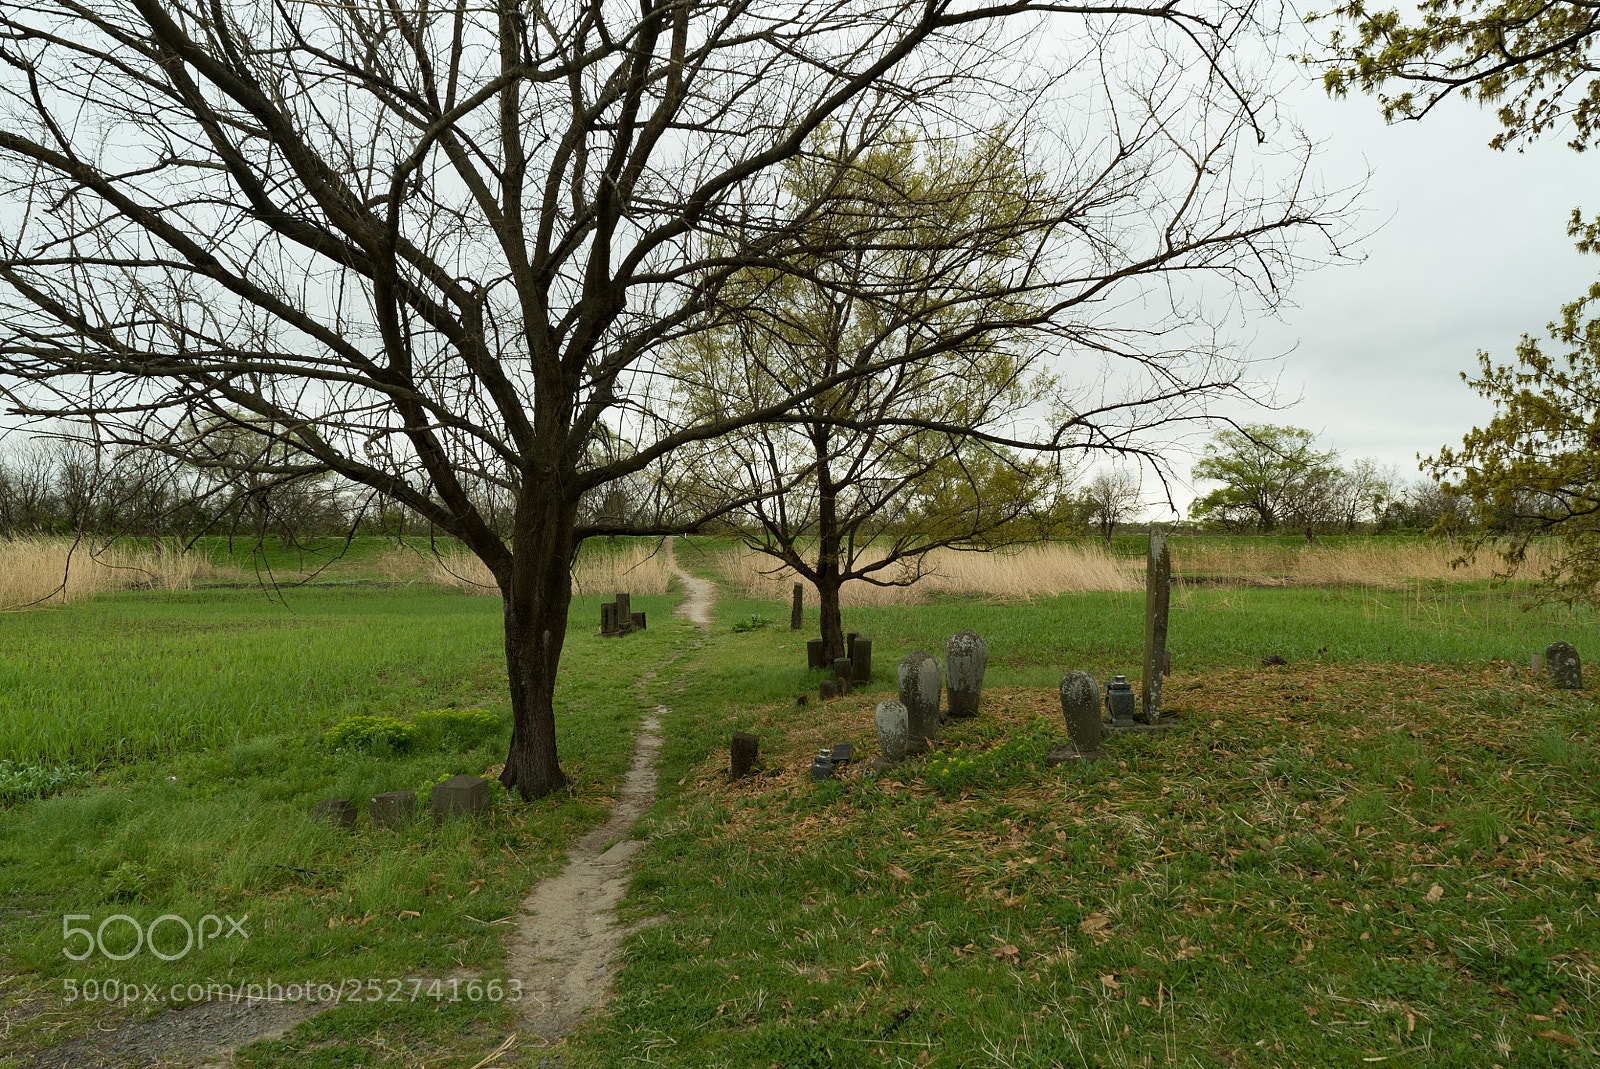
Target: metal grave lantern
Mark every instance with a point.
(1120, 701)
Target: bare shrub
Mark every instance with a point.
(637, 569)
(55, 571)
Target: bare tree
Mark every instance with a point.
(1109, 497)
(433, 249)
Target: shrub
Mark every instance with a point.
(753, 623)
(1013, 761)
(20, 782)
(371, 732)
(463, 728)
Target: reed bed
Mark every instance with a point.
(56, 571)
(1019, 574)
(637, 569)
(1366, 563)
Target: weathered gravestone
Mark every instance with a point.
(1538, 661)
(921, 686)
(1080, 708)
(842, 674)
(743, 754)
(624, 613)
(861, 660)
(393, 809)
(1157, 602)
(827, 690)
(966, 656)
(893, 732)
(638, 621)
(459, 796)
(608, 617)
(340, 812)
(813, 653)
(797, 612)
(1566, 671)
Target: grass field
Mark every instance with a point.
(1383, 852)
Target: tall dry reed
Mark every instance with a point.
(1349, 563)
(54, 571)
(637, 569)
(1034, 571)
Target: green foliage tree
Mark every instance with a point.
(1271, 477)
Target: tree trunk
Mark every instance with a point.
(828, 612)
(537, 597)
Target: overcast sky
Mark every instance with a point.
(1469, 252)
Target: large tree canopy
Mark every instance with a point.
(442, 250)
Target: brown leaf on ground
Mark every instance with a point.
(1110, 980)
(1434, 893)
(1559, 1037)
(899, 873)
(1094, 922)
(1008, 951)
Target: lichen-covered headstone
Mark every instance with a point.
(894, 727)
(1080, 708)
(966, 656)
(459, 796)
(921, 686)
(1566, 671)
(393, 809)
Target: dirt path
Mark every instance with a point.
(699, 594)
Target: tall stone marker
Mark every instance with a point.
(966, 656)
(743, 753)
(1157, 600)
(797, 613)
(861, 659)
(624, 613)
(894, 724)
(1566, 671)
(921, 686)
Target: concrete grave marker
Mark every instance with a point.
(393, 809)
(743, 754)
(1080, 708)
(894, 728)
(921, 686)
(966, 656)
(624, 613)
(842, 673)
(1566, 670)
(459, 796)
(340, 812)
(797, 612)
(861, 660)
(1157, 603)
(813, 653)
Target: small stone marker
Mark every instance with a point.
(459, 796)
(842, 673)
(861, 659)
(842, 753)
(638, 621)
(1157, 602)
(743, 753)
(822, 765)
(608, 617)
(394, 809)
(813, 653)
(1080, 708)
(340, 812)
(921, 686)
(797, 613)
(893, 731)
(1566, 671)
(1538, 661)
(624, 613)
(966, 656)
(827, 690)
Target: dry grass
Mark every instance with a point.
(639, 570)
(1382, 563)
(55, 571)
(1036, 571)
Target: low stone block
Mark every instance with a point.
(842, 673)
(638, 621)
(1566, 670)
(742, 754)
(827, 690)
(394, 809)
(340, 812)
(463, 796)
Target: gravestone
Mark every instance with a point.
(797, 613)
(1566, 671)
(827, 690)
(624, 613)
(850, 644)
(1120, 707)
(608, 617)
(459, 796)
(1538, 661)
(966, 656)
(1080, 708)
(743, 753)
(921, 686)
(843, 753)
(842, 673)
(393, 809)
(638, 621)
(340, 812)
(1157, 602)
(861, 660)
(813, 653)
(893, 730)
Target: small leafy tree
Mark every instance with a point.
(1271, 477)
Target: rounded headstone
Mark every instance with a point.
(894, 726)
(1080, 708)
(827, 690)
(966, 656)
(1566, 671)
(921, 685)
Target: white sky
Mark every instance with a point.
(1469, 252)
